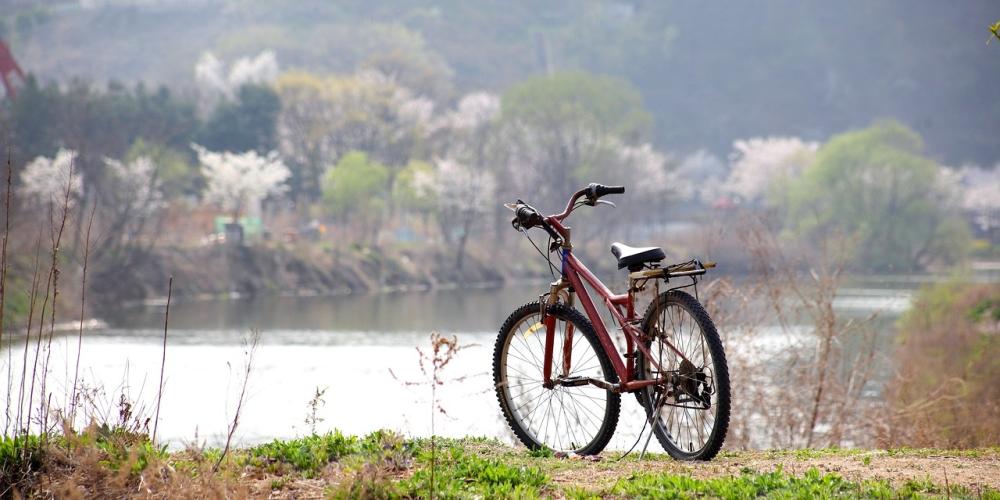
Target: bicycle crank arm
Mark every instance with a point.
(581, 381)
(604, 384)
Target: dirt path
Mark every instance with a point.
(970, 468)
(971, 472)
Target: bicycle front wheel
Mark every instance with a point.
(579, 419)
(690, 412)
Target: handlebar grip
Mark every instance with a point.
(526, 217)
(595, 191)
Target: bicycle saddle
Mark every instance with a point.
(633, 257)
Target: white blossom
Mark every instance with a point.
(137, 184)
(759, 162)
(49, 178)
(424, 183)
(261, 69)
(645, 170)
(979, 188)
(462, 188)
(416, 112)
(211, 75)
(474, 110)
(703, 174)
(240, 180)
(208, 73)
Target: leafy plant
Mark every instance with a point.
(20, 456)
(459, 474)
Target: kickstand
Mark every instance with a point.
(652, 425)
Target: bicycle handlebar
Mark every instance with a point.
(526, 217)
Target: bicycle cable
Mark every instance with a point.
(552, 267)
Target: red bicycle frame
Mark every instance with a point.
(574, 273)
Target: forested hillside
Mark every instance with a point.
(708, 73)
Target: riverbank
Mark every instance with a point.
(224, 272)
(386, 465)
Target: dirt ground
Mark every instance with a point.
(971, 470)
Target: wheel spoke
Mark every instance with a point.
(562, 418)
(685, 428)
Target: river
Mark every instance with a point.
(362, 350)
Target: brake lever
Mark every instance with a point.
(605, 202)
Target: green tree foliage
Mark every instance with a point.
(33, 119)
(710, 73)
(948, 355)
(411, 189)
(246, 123)
(875, 188)
(575, 99)
(356, 185)
(560, 125)
(177, 176)
(323, 118)
(97, 123)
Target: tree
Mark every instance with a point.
(323, 119)
(979, 188)
(175, 176)
(48, 179)
(874, 188)
(135, 197)
(355, 189)
(33, 118)
(240, 181)
(214, 82)
(463, 194)
(558, 123)
(413, 188)
(763, 166)
(247, 122)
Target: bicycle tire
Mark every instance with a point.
(512, 411)
(720, 373)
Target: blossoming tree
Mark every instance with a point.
(240, 181)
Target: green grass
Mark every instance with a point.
(311, 454)
(459, 474)
(777, 484)
(385, 465)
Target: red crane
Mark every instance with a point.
(8, 66)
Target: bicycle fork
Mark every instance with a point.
(557, 289)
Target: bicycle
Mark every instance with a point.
(573, 404)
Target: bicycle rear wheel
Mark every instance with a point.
(692, 416)
(577, 419)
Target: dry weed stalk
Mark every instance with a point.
(313, 418)
(803, 370)
(249, 351)
(56, 240)
(3, 282)
(163, 359)
(83, 303)
(21, 426)
(443, 351)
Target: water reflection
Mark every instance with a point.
(362, 348)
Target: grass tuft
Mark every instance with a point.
(460, 474)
